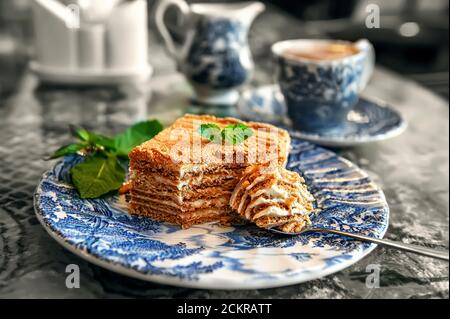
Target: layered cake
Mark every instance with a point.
(181, 177)
(272, 197)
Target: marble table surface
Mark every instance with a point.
(413, 170)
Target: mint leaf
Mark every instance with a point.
(210, 132)
(236, 133)
(81, 133)
(136, 135)
(97, 176)
(93, 139)
(103, 141)
(68, 150)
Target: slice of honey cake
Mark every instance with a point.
(271, 196)
(181, 177)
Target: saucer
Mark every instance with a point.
(370, 121)
(89, 77)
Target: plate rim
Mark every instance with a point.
(199, 284)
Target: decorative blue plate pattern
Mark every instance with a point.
(211, 256)
(370, 121)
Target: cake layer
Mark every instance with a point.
(167, 203)
(176, 211)
(181, 198)
(225, 217)
(143, 180)
(212, 171)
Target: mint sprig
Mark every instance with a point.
(210, 131)
(236, 133)
(231, 134)
(102, 171)
(93, 139)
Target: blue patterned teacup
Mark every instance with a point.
(321, 92)
(215, 57)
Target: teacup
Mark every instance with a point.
(321, 80)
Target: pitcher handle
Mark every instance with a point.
(365, 46)
(160, 13)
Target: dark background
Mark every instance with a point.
(412, 40)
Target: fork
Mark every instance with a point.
(434, 253)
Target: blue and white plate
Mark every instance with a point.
(370, 121)
(211, 256)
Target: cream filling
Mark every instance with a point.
(304, 192)
(272, 195)
(179, 199)
(257, 180)
(275, 211)
(194, 214)
(276, 194)
(196, 204)
(194, 181)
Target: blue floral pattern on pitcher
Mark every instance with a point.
(219, 56)
(216, 57)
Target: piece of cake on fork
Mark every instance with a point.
(272, 197)
(183, 178)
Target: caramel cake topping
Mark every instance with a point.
(271, 196)
(181, 149)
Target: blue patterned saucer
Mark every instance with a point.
(211, 256)
(370, 121)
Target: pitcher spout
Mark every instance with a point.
(250, 11)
